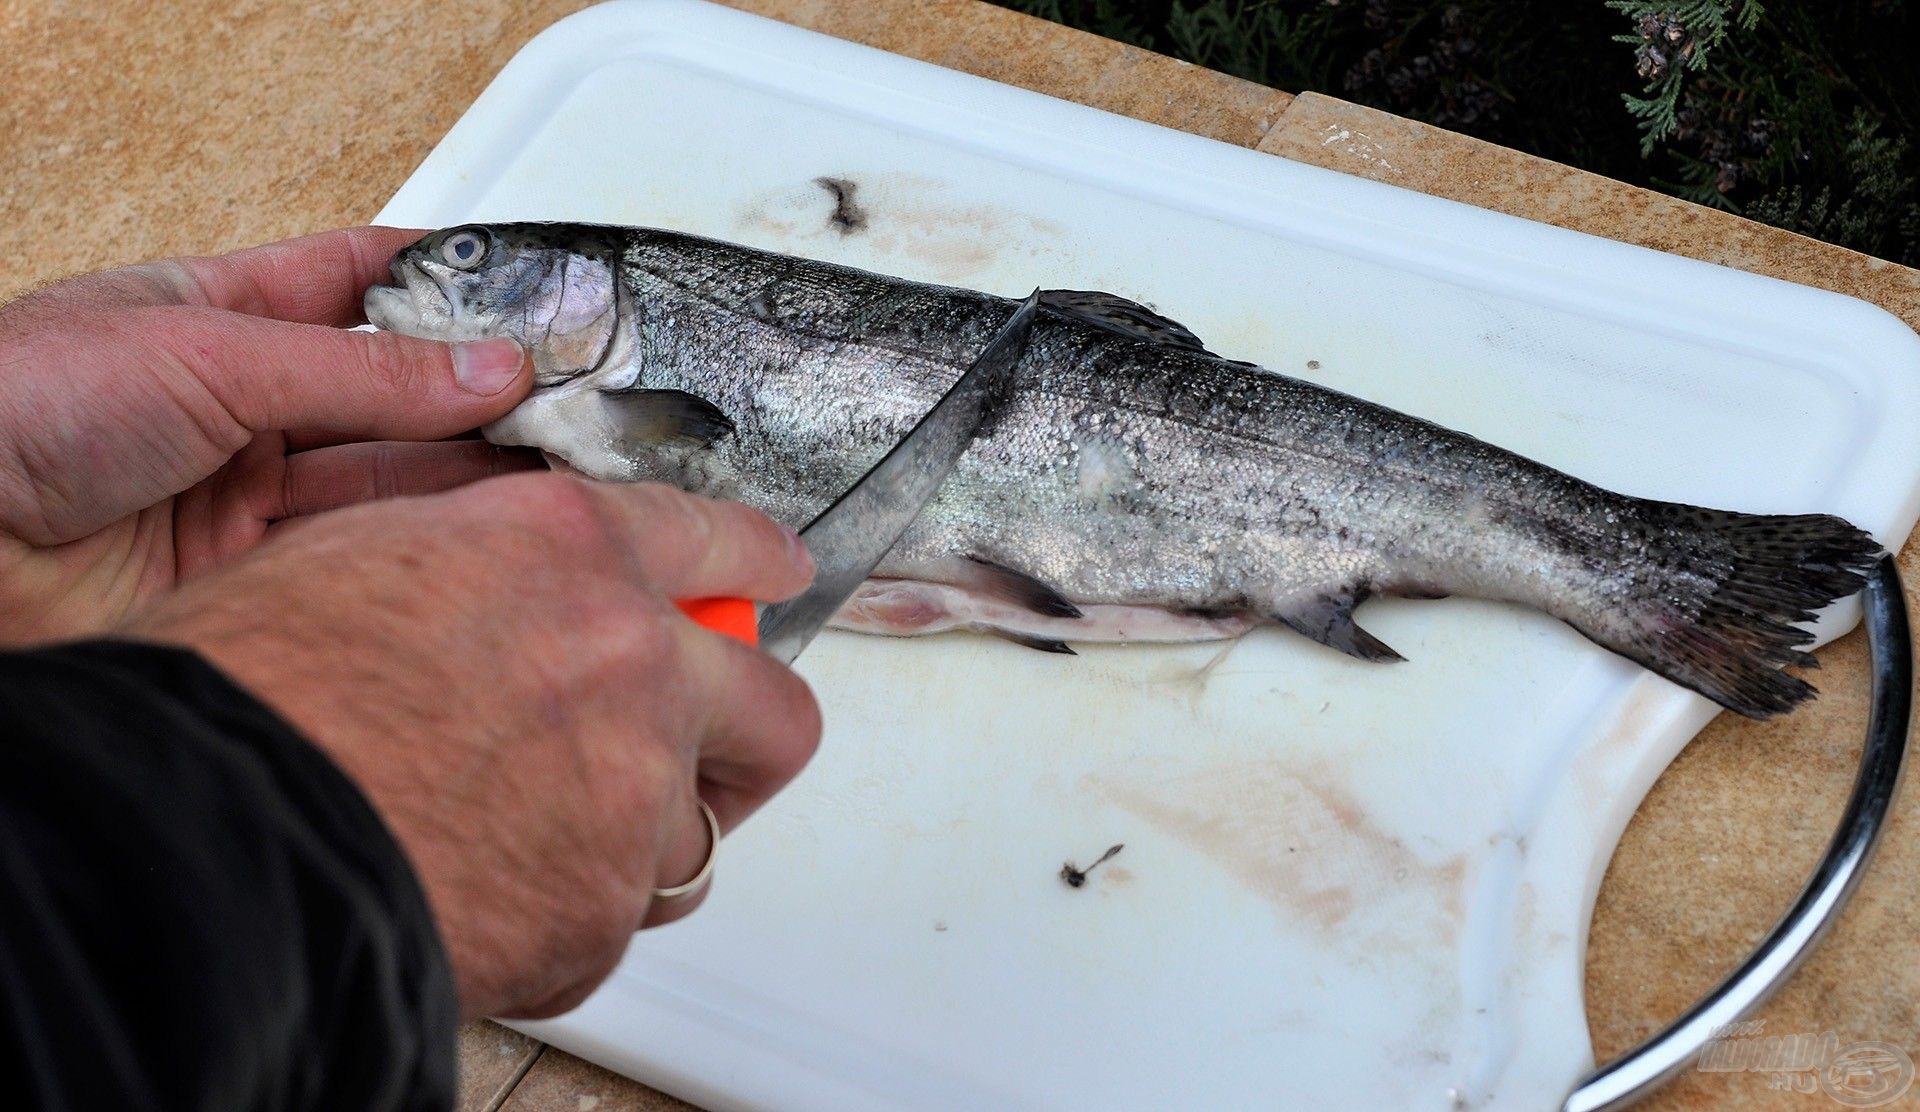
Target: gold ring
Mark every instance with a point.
(705, 874)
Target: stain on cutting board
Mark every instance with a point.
(847, 216)
(1076, 877)
(1295, 836)
(892, 215)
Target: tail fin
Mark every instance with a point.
(1717, 612)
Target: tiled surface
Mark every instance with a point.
(199, 126)
(1361, 141)
(492, 1062)
(1048, 58)
(562, 1083)
(133, 131)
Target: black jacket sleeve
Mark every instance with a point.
(197, 909)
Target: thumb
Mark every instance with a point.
(275, 375)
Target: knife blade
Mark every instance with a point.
(850, 538)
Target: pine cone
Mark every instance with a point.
(1650, 62)
(1665, 29)
(1664, 40)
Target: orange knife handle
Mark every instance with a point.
(730, 617)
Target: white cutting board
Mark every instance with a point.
(1344, 885)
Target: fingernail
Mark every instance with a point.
(487, 367)
(798, 548)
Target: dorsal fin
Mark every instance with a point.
(1117, 314)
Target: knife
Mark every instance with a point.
(850, 538)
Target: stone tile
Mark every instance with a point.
(559, 1082)
(492, 1061)
(1017, 49)
(137, 131)
(1368, 143)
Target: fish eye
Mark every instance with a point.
(463, 249)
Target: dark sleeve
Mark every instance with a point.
(197, 909)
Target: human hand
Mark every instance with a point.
(502, 671)
(159, 419)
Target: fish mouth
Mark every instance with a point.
(419, 306)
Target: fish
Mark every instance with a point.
(1133, 485)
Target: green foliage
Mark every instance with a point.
(1673, 37)
(1248, 38)
(1875, 215)
(1795, 112)
(1113, 19)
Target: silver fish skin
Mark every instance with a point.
(1131, 470)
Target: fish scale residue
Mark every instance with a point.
(1103, 468)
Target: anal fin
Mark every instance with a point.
(668, 418)
(1328, 618)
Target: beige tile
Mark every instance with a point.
(560, 1082)
(492, 1061)
(138, 130)
(1368, 143)
(1018, 49)
(135, 131)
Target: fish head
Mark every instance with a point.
(552, 287)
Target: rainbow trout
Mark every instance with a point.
(1135, 486)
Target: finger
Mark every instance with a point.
(316, 279)
(763, 727)
(681, 545)
(302, 440)
(688, 546)
(763, 724)
(331, 478)
(686, 844)
(270, 375)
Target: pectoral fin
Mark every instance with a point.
(1328, 618)
(667, 418)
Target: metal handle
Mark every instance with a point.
(1639, 1071)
